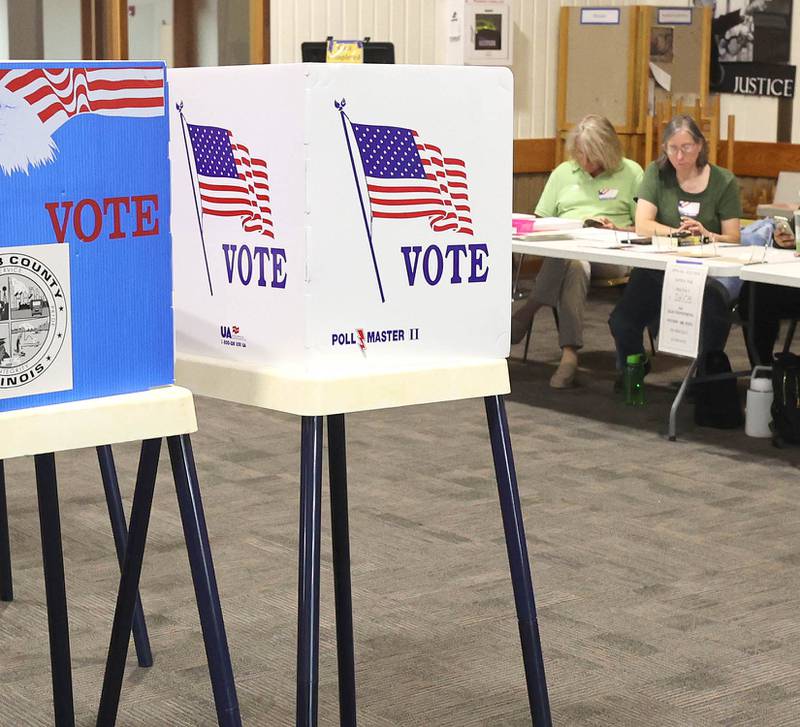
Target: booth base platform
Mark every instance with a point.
(308, 395)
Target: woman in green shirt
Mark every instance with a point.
(680, 192)
(597, 182)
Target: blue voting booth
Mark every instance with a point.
(86, 314)
(85, 244)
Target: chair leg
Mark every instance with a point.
(517, 548)
(195, 533)
(55, 589)
(308, 596)
(6, 581)
(129, 582)
(527, 340)
(119, 528)
(515, 288)
(337, 468)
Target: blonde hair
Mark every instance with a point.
(596, 139)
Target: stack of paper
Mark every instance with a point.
(527, 224)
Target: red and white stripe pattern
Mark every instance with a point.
(409, 178)
(232, 183)
(58, 94)
(450, 176)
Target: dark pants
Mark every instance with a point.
(773, 302)
(640, 307)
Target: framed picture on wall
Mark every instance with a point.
(751, 48)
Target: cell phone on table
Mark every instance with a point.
(590, 222)
(782, 225)
(640, 241)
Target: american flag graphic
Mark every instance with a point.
(232, 183)
(58, 94)
(408, 178)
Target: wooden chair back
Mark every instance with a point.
(707, 118)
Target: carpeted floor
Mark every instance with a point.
(667, 574)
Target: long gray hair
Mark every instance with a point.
(682, 123)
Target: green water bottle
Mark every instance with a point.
(634, 380)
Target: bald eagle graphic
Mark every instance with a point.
(36, 102)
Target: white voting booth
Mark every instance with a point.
(341, 243)
(339, 220)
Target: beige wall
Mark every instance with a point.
(410, 24)
(61, 26)
(417, 30)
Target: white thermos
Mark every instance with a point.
(758, 413)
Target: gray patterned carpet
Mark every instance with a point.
(667, 574)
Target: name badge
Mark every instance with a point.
(608, 193)
(688, 209)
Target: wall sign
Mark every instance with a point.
(757, 79)
(751, 47)
(344, 51)
(674, 16)
(600, 16)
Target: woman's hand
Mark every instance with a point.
(693, 227)
(783, 238)
(605, 223)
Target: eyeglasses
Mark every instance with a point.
(683, 148)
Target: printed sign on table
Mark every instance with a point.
(85, 259)
(338, 218)
(681, 307)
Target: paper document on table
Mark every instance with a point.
(551, 224)
(604, 244)
(681, 306)
(544, 236)
(603, 239)
(600, 237)
(591, 237)
(694, 251)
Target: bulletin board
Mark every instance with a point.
(604, 68)
(592, 80)
(680, 49)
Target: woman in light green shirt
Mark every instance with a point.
(598, 183)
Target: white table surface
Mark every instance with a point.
(778, 273)
(730, 260)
